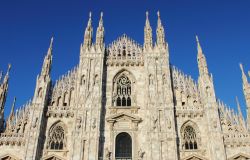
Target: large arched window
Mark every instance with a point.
(123, 146)
(189, 138)
(123, 91)
(56, 138)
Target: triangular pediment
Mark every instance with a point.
(195, 157)
(240, 156)
(53, 157)
(123, 116)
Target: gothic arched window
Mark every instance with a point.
(189, 138)
(123, 91)
(56, 138)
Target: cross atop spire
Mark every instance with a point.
(148, 42)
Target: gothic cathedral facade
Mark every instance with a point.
(124, 101)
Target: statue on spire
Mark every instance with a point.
(88, 33)
(148, 42)
(100, 33)
(160, 32)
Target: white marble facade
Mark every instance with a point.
(124, 101)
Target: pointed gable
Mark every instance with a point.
(240, 156)
(53, 157)
(194, 157)
(124, 51)
(9, 157)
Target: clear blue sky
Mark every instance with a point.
(223, 28)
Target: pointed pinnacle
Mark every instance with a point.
(51, 42)
(238, 105)
(241, 67)
(9, 67)
(89, 22)
(50, 46)
(1, 75)
(8, 71)
(159, 19)
(197, 38)
(90, 14)
(13, 105)
(101, 15)
(101, 20)
(244, 77)
(147, 20)
(198, 44)
(249, 73)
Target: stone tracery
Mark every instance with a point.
(56, 137)
(190, 136)
(123, 91)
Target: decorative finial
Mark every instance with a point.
(197, 38)
(147, 14)
(89, 21)
(198, 44)
(238, 106)
(244, 77)
(9, 67)
(241, 68)
(90, 14)
(51, 41)
(158, 13)
(1, 75)
(237, 101)
(101, 15)
(13, 105)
